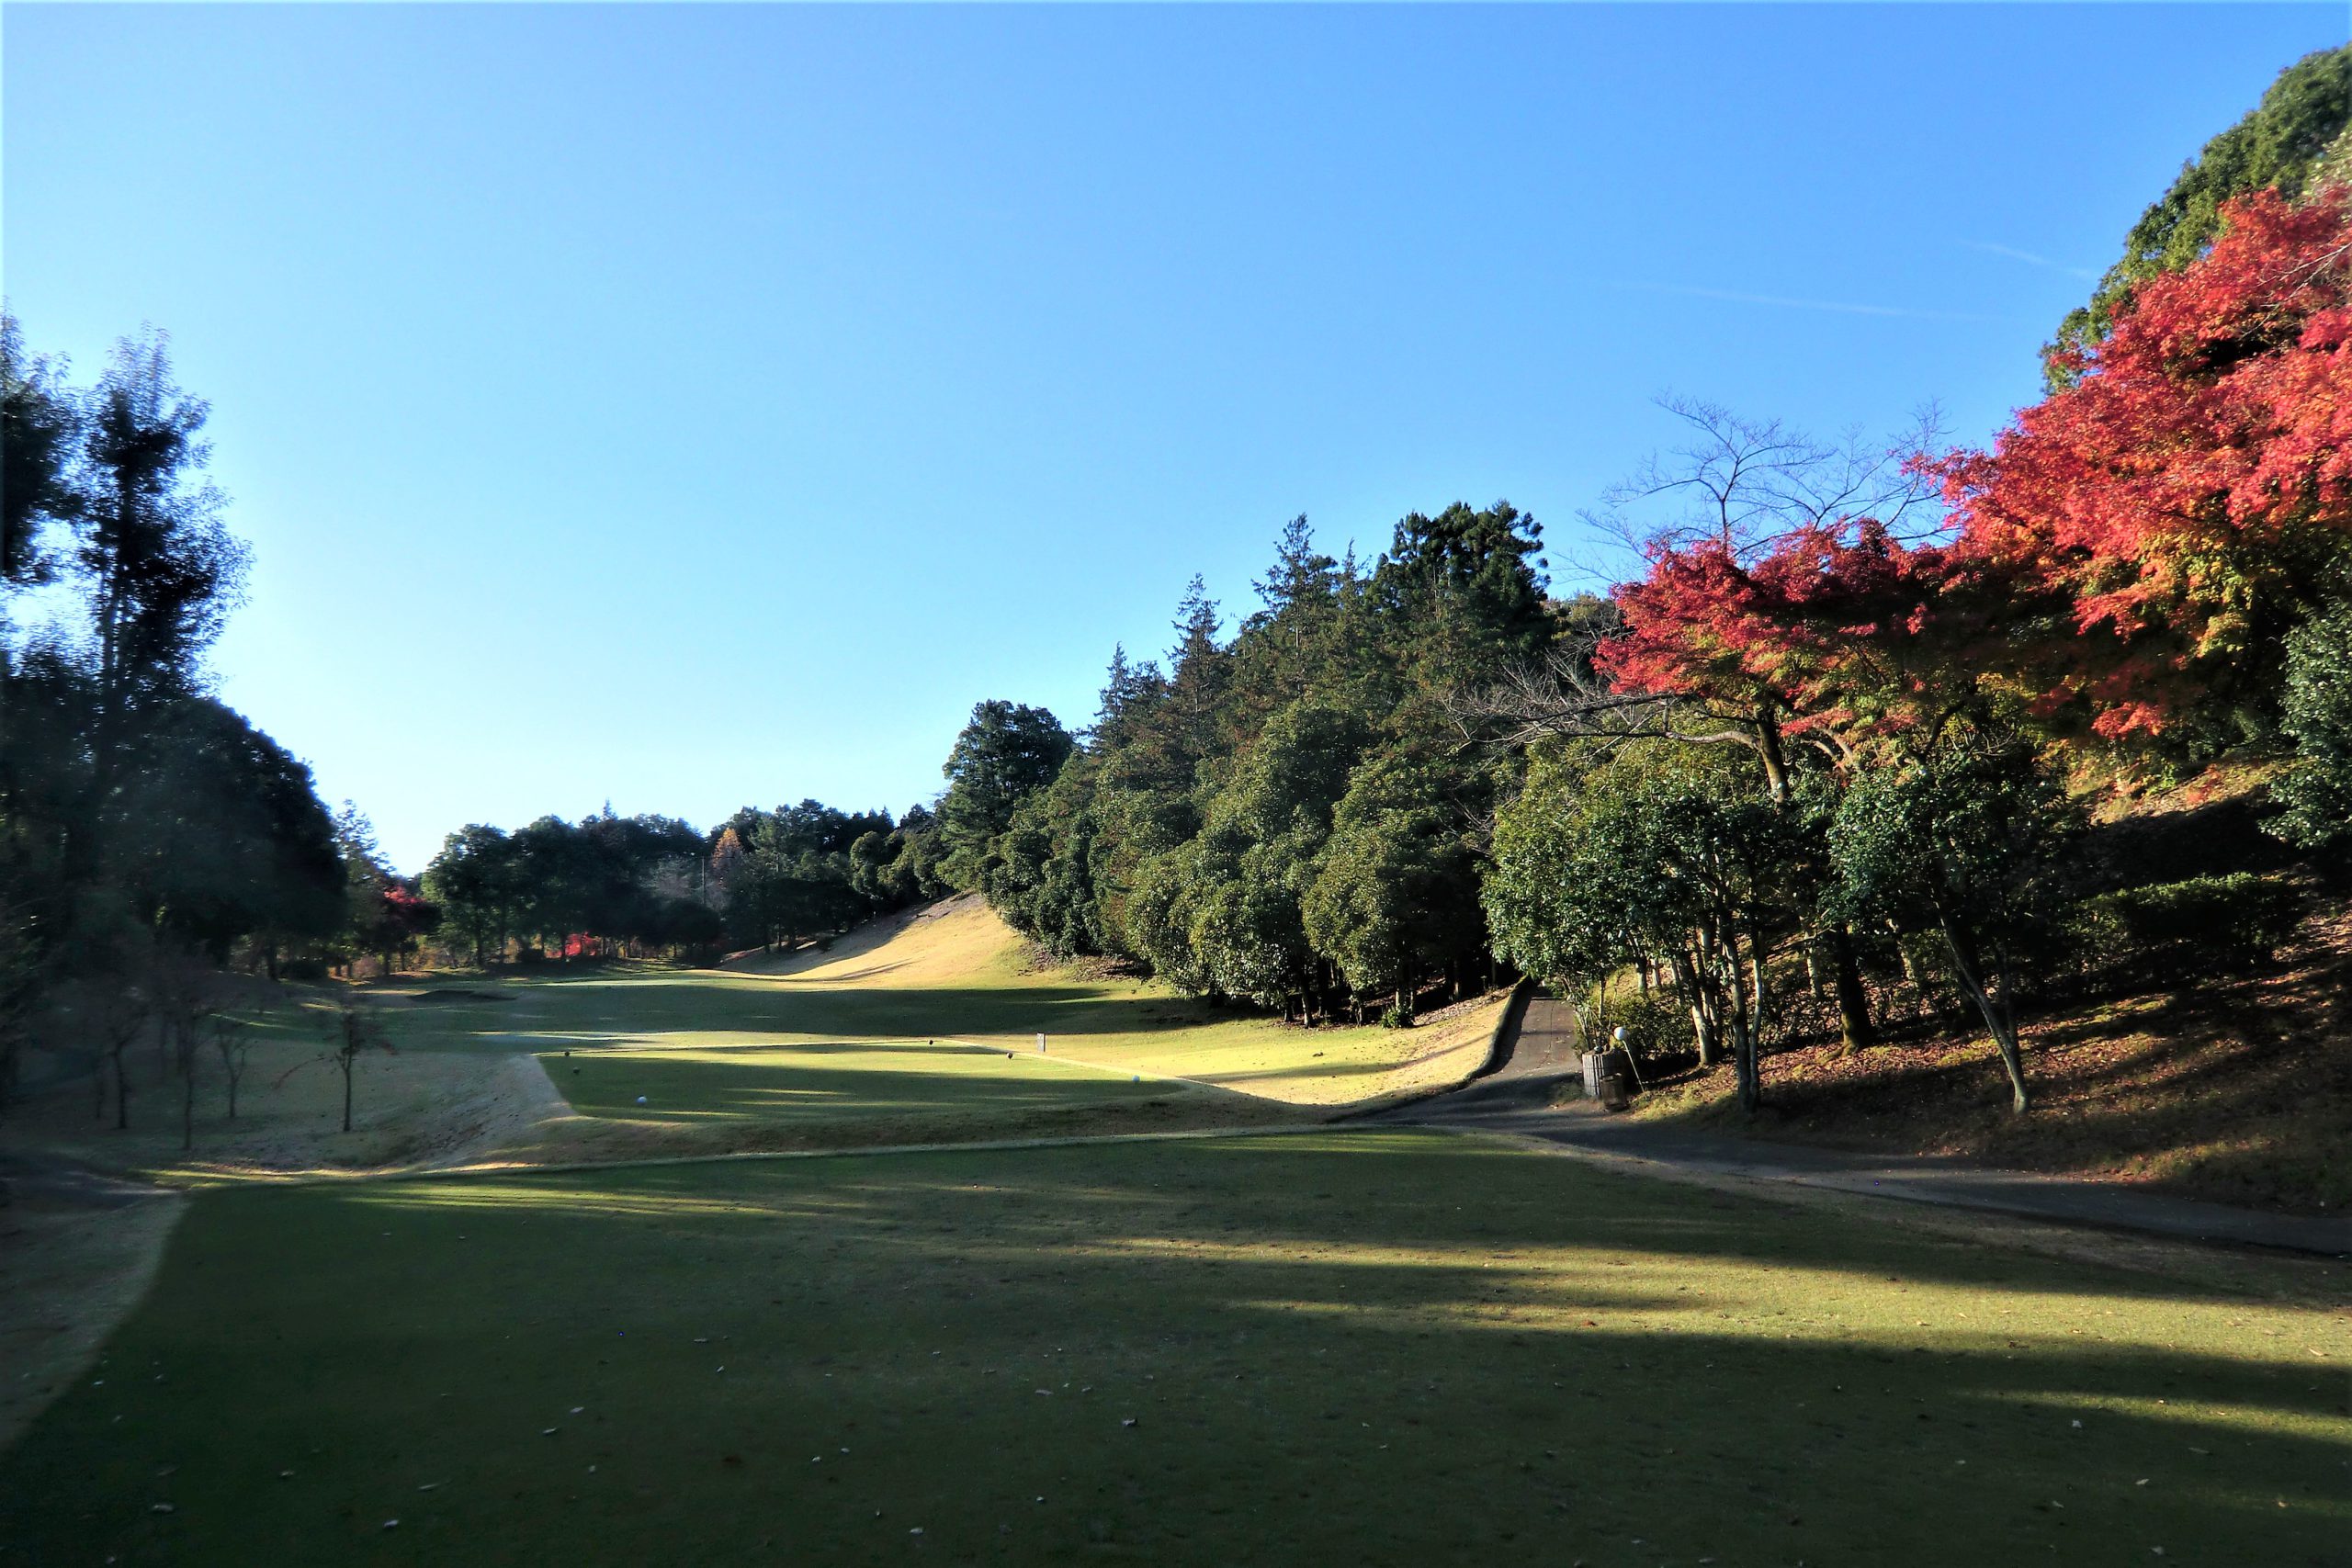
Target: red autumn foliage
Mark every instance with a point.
(1832, 629)
(2170, 505)
(2127, 543)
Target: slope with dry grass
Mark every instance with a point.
(2232, 1088)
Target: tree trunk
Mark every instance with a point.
(121, 1093)
(1853, 1002)
(347, 1094)
(1996, 1019)
(1776, 762)
(1743, 1035)
(1703, 1021)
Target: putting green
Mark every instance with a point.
(1321, 1348)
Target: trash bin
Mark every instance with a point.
(1608, 1078)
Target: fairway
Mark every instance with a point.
(1317, 1348)
(939, 1014)
(829, 1082)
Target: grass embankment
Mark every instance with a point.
(409, 1107)
(2237, 1089)
(1327, 1347)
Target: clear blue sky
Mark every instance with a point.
(695, 407)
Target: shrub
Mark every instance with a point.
(1656, 1025)
(2239, 921)
(302, 969)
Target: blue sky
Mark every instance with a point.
(699, 406)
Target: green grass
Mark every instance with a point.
(956, 976)
(832, 1082)
(1335, 1347)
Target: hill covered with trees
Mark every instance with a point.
(1858, 726)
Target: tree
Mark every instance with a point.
(1966, 840)
(185, 989)
(352, 1033)
(2316, 790)
(1263, 828)
(232, 1042)
(1791, 601)
(1651, 854)
(37, 430)
(162, 570)
(1394, 894)
(2164, 519)
(1005, 753)
(118, 1016)
(221, 836)
(2291, 140)
(473, 882)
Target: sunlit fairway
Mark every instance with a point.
(941, 1015)
(1315, 1347)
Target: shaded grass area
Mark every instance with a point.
(830, 1081)
(862, 1095)
(2232, 1088)
(1384, 1347)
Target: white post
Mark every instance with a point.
(1041, 1044)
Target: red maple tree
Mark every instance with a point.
(2174, 511)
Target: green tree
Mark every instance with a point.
(473, 881)
(1394, 898)
(2292, 139)
(38, 421)
(221, 837)
(161, 568)
(2316, 790)
(1263, 828)
(1007, 752)
(1657, 852)
(1966, 840)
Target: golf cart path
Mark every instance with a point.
(1541, 1062)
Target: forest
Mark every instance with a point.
(1836, 718)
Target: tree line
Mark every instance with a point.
(650, 885)
(1837, 733)
(1833, 737)
(1287, 818)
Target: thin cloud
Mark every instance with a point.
(1780, 302)
(2027, 257)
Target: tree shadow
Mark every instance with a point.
(1329, 1348)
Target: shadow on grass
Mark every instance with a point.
(1370, 1347)
(727, 1003)
(784, 1083)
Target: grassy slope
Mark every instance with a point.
(1335, 1348)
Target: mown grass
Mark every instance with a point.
(954, 979)
(831, 1082)
(1359, 1348)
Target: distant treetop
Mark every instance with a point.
(2294, 139)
